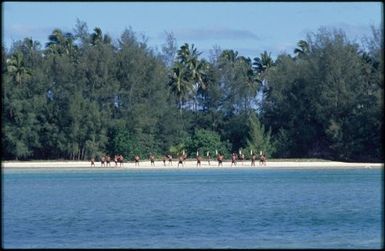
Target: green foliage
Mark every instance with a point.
(259, 139)
(177, 150)
(319, 103)
(84, 95)
(205, 141)
(122, 143)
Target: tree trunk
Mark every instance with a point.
(83, 153)
(180, 105)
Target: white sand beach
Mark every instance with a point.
(276, 164)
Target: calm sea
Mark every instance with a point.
(217, 208)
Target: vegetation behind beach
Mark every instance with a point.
(84, 94)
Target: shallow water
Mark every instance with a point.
(221, 208)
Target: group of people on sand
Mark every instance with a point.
(241, 157)
(106, 159)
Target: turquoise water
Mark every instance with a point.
(221, 208)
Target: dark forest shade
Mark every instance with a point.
(84, 95)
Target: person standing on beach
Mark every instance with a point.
(181, 159)
(208, 157)
(120, 159)
(234, 159)
(169, 159)
(262, 159)
(199, 160)
(102, 160)
(220, 159)
(116, 157)
(253, 158)
(108, 160)
(136, 158)
(164, 160)
(92, 161)
(152, 159)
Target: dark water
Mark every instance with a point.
(225, 208)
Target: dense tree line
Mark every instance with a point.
(84, 95)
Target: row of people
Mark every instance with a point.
(241, 157)
(105, 160)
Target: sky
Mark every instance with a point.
(247, 27)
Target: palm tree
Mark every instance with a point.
(31, 45)
(194, 70)
(179, 83)
(262, 64)
(60, 43)
(303, 48)
(31, 51)
(16, 67)
(69, 43)
(56, 40)
(229, 55)
(97, 36)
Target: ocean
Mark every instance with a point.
(187, 208)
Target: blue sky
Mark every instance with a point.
(248, 27)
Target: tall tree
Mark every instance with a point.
(179, 84)
(17, 69)
(169, 49)
(303, 48)
(259, 139)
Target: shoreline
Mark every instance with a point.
(189, 164)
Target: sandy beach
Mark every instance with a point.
(276, 164)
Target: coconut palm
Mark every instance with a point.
(179, 83)
(262, 64)
(303, 48)
(97, 37)
(31, 45)
(192, 69)
(229, 56)
(60, 43)
(56, 41)
(16, 68)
